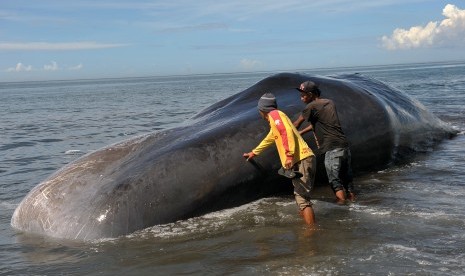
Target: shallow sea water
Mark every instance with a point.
(408, 219)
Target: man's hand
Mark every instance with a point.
(288, 163)
(249, 155)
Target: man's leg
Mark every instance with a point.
(333, 163)
(347, 177)
(307, 168)
(308, 215)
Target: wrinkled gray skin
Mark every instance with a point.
(187, 171)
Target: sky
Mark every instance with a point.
(87, 39)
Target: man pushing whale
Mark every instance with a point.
(296, 157)
(330, 139)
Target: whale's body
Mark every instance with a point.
(187, 171)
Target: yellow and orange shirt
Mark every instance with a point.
(286, 137)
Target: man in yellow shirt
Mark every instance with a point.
(293, 151)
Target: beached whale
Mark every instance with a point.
(187, 171)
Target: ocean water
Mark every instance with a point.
(408, 219)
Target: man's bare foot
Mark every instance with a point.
(351, 197)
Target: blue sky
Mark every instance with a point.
(53, 40)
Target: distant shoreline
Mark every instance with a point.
(432, 64)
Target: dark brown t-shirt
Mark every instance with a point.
(322, 114)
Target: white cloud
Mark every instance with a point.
(199, 27)
(77, 67)
(20, 68)
(245, 8)
(45, 46)
(249, 64)
(451, 30)
(51, 67)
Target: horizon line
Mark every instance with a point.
(238, 72)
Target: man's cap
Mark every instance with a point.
(267, 103)
(309, 87)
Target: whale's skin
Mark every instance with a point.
(186, 171)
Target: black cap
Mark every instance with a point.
(267, 102)
(309, 87)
